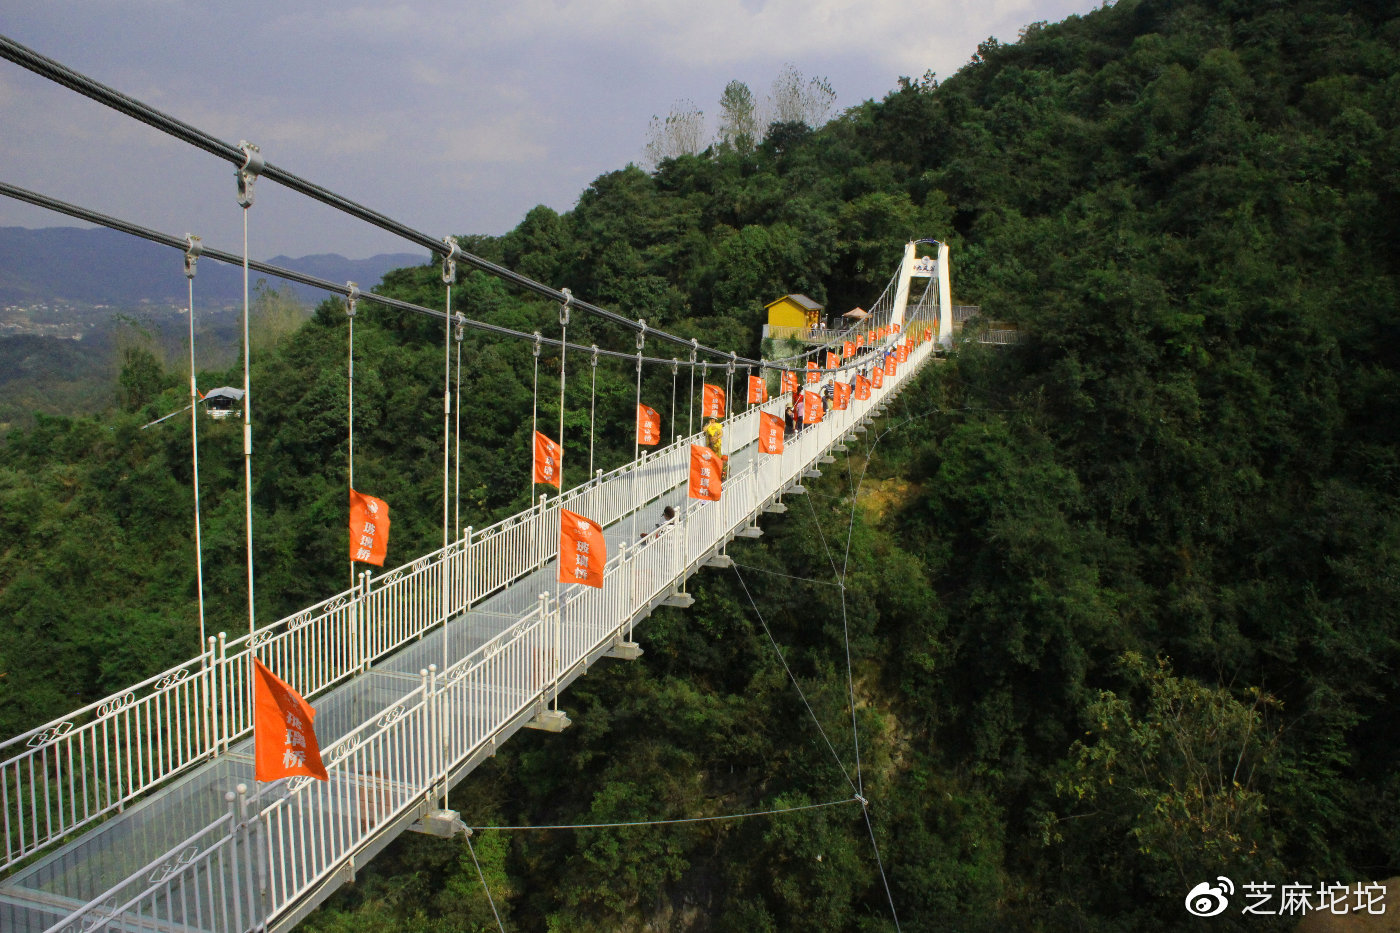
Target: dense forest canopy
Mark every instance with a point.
(1121, 600)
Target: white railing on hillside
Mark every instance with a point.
(62, 776)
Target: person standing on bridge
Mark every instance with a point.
(668, 518)
(714, 439)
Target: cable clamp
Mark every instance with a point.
(675, 366)
(594, 348)
(248, 173)
(863, 802)
(352, 297)
(538, 338)
(733, 356)
(564, 307)
(449, 261)
(639, 362)
(193, 247)
(694, 349)
(461, 321)
(641, 334)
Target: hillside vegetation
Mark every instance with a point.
(1121, 601)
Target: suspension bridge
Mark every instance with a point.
(140, 812)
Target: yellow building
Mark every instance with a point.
(792, 313)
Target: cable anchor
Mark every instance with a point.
(449, 262)
(194, 245)
(248, 173)
(564, 307)
(352, 297)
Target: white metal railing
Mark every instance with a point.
(60, 777)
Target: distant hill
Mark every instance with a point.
(101, 266)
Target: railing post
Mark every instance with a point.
(466, 569)
(211, 694)
(222, 676)
(540, 540)
(430, 736)
(366, 618)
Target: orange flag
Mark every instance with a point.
(848, 349)
(860, 340)
(832, 360)
(583, 552)
(862, 388)
(928, 334)
(284, 743)
(770, 433)
(812, 409)
(711, 401)
(789, 381)
(841, 396)
(648, 426)
(878, 377)
(705, 471)
(812, 375)
(758, 390)
(891, 364)
(904, 351)
(549, 460)
(895, 327)
(369, 528)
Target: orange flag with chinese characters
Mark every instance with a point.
(549, 460)
(877, 377)
(284, 743)
(848, 349)
(583, 552)
(369, 529)
(812, 409)
(891, 364)
(841, 396)
(758, 390)
(705, 472)
(862, 388)
(770, 433)
(711, 401)
(832, 360)
(903, 351)
(789, 381)
(648, 426)
(860, 340)
(812, 374)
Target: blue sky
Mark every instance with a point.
(450, 117)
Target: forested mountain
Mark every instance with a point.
(1121, 601)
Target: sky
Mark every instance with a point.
(450, 117)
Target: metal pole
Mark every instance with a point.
(192, 252)
(592, 408)
(563, 351)
(449, 275)
(252, 166)
(350, 302)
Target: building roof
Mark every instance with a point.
(228, 392)
(802, 301)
